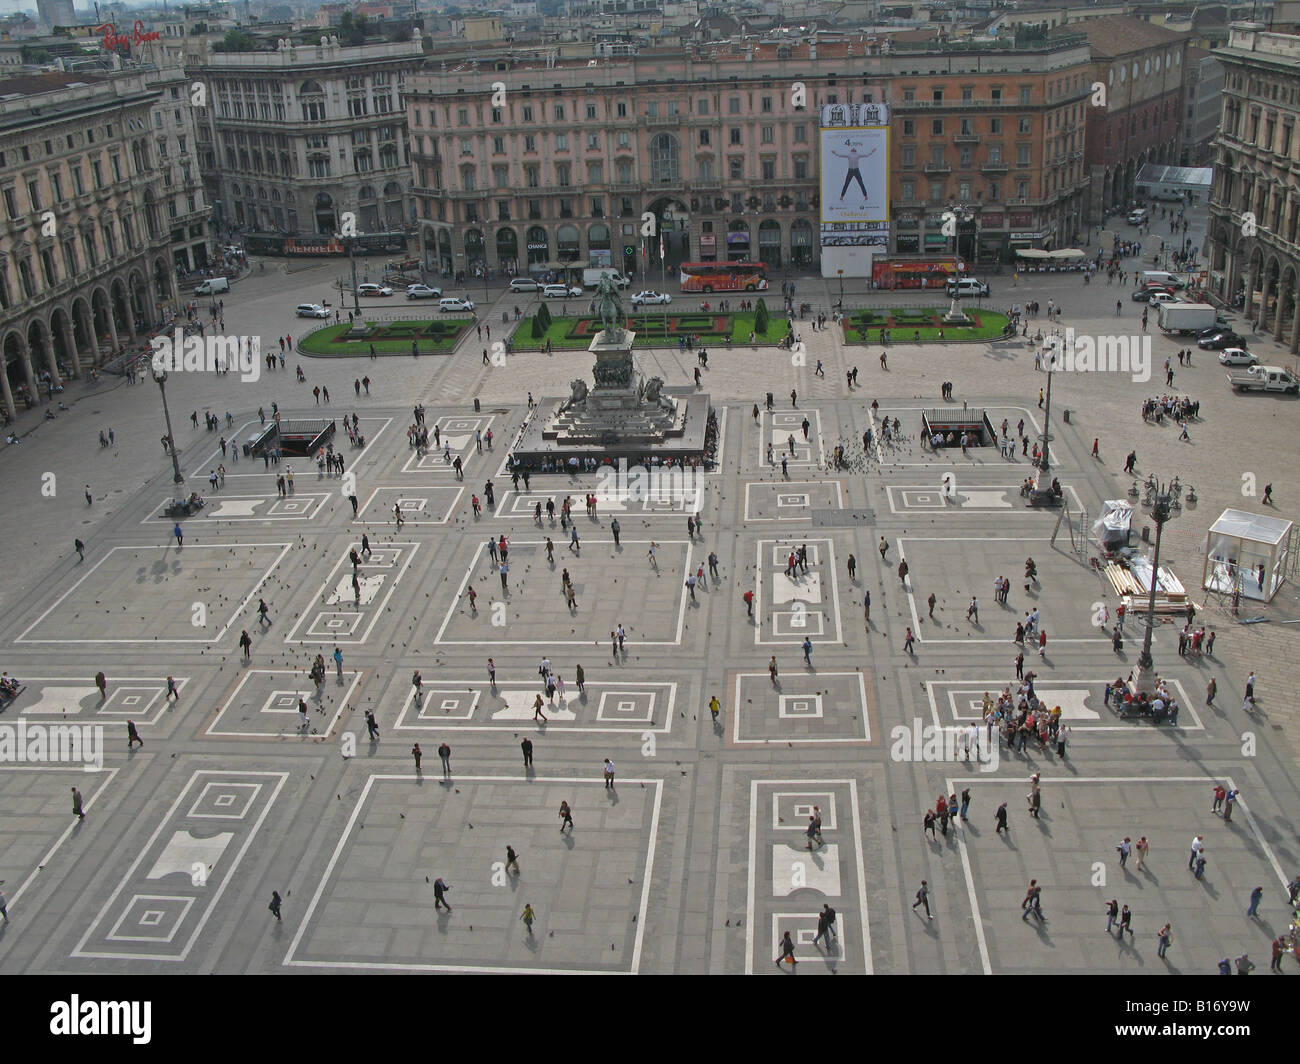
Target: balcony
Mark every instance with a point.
(938, 168)
(995, 168)
(966, 138)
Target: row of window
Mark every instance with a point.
(27, 152)
(96, 244)
(1261, 130)
(37, 197)
(665, 168)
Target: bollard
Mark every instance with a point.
(1066, 415)
(477, 408)
(1146, 533)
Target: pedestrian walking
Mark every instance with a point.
(78, 810)
(1256, 896)
(566, 818)
(80, 548)
(1033, 902)
(1141, 848)
(527, 747)
(512, 859)
(1124, 848)
(132, 735)
(1112, 914)
(1198, 845)
(786, 946)
(418, 755)
(1166, 937)
(609, 774)
(444, 753)
(1125, 922)
(274, 907)
(826, 925)
(440, 890)
(1229, 800)
(1002, 820)
(714, 707)
(528, 916)
(923, 898)
(1244, 965)
(372, 726)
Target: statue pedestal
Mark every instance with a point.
(615, 375)
(955, 315)
(616, 418)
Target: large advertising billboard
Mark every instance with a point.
(854, 175)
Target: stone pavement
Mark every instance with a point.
(697, 859)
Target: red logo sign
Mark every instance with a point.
(114, 40)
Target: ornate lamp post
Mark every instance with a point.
(1162, 510)
(160, 376)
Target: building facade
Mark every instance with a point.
(996, 135)
(1254, 232)
(294, 139)
(718, 145)
(1139, 70)
(85, 260)
(1204, 107)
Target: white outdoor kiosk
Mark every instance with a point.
(1248, 554)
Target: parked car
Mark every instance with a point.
(454, 303)
(1137, 216)
(312, 310)
(561, 291)
(1217, 341)
(369, 289)
(524, 284)
(650, 298)
(1162, 297)
(1144, 294)
(423, 291)
(1237, 356)
(212, 286)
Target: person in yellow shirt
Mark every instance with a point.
(715, 707)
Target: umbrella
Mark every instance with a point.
(1033, 253)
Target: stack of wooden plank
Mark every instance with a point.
(1135, 583)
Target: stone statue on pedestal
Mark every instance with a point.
(611, 308)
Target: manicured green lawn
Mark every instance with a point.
(921, 324)
(657, 327)
(390, 338)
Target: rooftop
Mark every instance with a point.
(1117, 35)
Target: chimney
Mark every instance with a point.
(812, 50)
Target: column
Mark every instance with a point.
(1295, 328)
(6, 390)
(112, 325)
(25, 353)
(51, 362)
(70, 344)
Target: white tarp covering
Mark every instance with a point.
(1111, 529)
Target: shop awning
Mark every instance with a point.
(1033, 253)
(1067, 253)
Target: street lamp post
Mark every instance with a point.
(1162, 509)
(840, 305)
(160, 376)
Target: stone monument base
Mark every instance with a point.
(614, 426)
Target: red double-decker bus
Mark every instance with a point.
(724, 276)
(914, 273)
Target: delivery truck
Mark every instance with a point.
(1186, 318)
(591, 278)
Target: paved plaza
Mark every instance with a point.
(697, 858)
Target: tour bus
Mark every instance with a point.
(724, 276)
(915, 273)
(322, 244)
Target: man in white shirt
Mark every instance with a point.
(1198, 844)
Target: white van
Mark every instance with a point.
(967, 286)
(212, 286)
(1137, 216)
(1163, 277)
